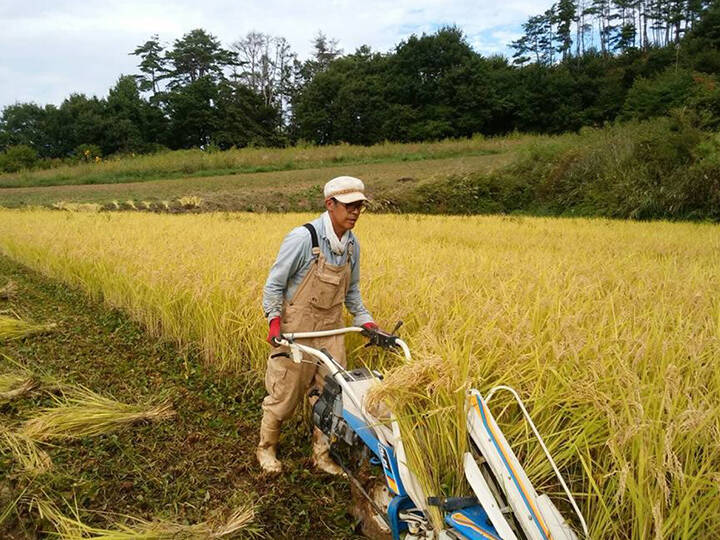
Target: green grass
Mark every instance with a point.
(180, 470)
(665, 168)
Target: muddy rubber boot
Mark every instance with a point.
(266, 450)
(321, 454)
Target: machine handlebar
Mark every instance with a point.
(378, 338)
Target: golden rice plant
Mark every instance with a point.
(12, 328)
(428, 402)
(80, 412)
(609, 330)
(71, 527)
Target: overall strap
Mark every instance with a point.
(350, 252)
(313, 238)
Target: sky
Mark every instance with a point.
(50, 49)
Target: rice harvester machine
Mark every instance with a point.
(503, 503)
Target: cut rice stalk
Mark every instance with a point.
(20, 380)
(14, 385)
(83, 413)
(12, 505)
(26, 452)
(9, 291)
(72, 528)
(15, 328)
(238, 520)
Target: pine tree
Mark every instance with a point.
(197, 55)
(152, 64)
(565, 15)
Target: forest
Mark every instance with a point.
(580, 63)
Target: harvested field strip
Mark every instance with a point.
(608, 329)
(275, 191)
(195, 470)
(248, 160)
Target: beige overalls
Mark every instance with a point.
(316, 305)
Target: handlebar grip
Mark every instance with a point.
(380, 338)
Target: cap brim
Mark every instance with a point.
(348, 198)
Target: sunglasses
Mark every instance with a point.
(358, 206)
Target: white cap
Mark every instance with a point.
(346, 189)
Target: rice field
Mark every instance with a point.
(609, 330)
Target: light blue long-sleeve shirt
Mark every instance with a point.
(293, 262)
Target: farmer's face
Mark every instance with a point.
(343, 216)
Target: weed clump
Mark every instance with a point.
(666, 168)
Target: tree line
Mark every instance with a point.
(577, 26)
(572, 68)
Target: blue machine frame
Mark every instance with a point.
(472, 522)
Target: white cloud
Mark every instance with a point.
(51, 49)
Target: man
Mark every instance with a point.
(316, 270)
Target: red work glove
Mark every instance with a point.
(274, 332)
(378, 337)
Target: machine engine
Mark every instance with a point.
(327, 413)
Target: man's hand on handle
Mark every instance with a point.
(274, 332)
(378, 337)
(371, 330)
